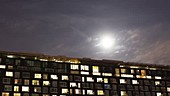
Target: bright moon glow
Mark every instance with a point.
(107, 42)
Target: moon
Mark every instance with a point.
(107, 42)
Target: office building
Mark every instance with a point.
(30, 74)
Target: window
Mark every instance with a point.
(157, 82)
(37, 89)
(35, 82)
(99, 80)
(64, 91)
(123, 93)
(75, 67)
(6, 80)
(64, 77)
(84, 73)
(105, 80)
(54, 77)
(168, 89)
(37, 75)
(9, 74)
(18, 81)
(73, 84)
(45, 76)
(5, 94)
(100, 92)
(123, 70)
(46, 83)
(90, 79)
(26, 75)
(26, 82)
(77, 91)
(45, 89)
(95, 68)
(122, 81)
(135, 82)
(158, 77)
(17, 94)
(63, 84)
(53, 90)
(84, 67)
(10, 67)
(17, 75)
(16, 88)
(90, 92)
(8, 88)
(158, 94)
(2, 66)
(54, 83)
(25, 88)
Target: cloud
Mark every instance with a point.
(149, 44)
(157, 53)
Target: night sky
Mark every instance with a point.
(140, 28)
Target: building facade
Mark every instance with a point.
(25, 74)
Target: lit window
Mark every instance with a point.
(54, 77)
(84, 73)
(73, 85)
(135, 82)
(168, 89)
(158, 77)
(105, 80)
(37, 75)
(84, 67)
(122, 81)
(2, 66)
(100, 92)
(77, 91)
(35, 82)
(123, 70)
(90, 79)
(117, 73)
(10, 67)
(18, 81)
(90, 92)
(26, 82)
(96, 73)
(123, 93)
(95, 68)
(158, 94)
(132, 71)
(127, 75)
(143, 72)
(5, 94)
(16, 88)
(17, 94)
(75, 67)
(37, 89)
(64, 77)
(46, 83)
(157, 82)
(99, 80)
(64, 91)
(107, 74)
(10, 74)
(25, 88)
